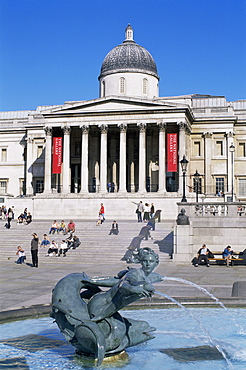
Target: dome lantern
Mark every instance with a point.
(129, 33)
(130, 70)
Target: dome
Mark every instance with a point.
(128, 57)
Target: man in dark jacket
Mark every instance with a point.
(34, 249)
(114, 229)
(202, 255)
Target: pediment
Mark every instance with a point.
(109, 104)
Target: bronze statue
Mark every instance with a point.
(90, 320)
(182, 219)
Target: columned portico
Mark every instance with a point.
(84, 159)
(162, 156)
(66, 178)
(122, 185)
(142, 157)
(47, 168)
(103, 158)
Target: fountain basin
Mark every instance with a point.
(179, 342)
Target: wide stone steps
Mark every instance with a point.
(96, 245)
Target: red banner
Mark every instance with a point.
(57, 155)
(172, 152)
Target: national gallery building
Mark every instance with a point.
(124, 146)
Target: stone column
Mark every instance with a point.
(29, 162)
(181, 150)
(230, 163)
(162, 156)
(142, 157)
(131, 167)
(47, 167)
(208, 186)
(103, 159)
(84, 159)
(122, 177)
(66, 178)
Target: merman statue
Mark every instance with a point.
(89, 318)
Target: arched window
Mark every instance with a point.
(145, 85)
(122, 85)
(103, 89)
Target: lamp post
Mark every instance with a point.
(196, 177)
(232, 150)
(184, 164)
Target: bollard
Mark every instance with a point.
(239, 289)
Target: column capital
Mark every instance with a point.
(122, 127)
(207, 135)
(84, 129)
(230, 134)
(66, 130)
(142, 126)
(162, 126)
(48, 130)
(184, 126)
(103, 127)
(29, 140)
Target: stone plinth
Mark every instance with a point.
(183, 241)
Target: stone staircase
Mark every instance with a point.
(97, 246)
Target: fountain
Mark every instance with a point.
(90, 313)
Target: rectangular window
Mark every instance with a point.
(242, 187)
(220, 184)
(219, 148)
(3, 155)
(197, 148)
(22, 186)
(241, 150)
(39, 186)
(3, 186)
(197, 186)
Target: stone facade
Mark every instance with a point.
(122, 139)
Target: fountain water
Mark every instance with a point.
(201, 326)
(179, 344)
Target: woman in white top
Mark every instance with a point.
(146, 212)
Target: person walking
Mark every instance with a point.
(34, 249)
(102, 211)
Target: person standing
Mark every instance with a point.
(139, 210)
(34, 249)
(152, 210)
(9, 218)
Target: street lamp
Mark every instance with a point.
(197, 177)
(184, 164)
(232, 150)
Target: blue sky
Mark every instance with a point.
(52, 50)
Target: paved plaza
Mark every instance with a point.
(23, 286)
